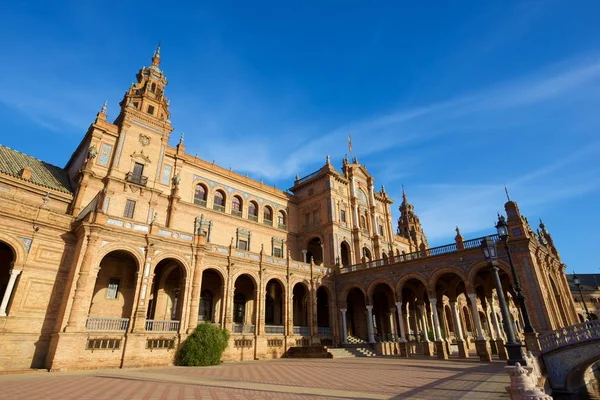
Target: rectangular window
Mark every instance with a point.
(151, 110)
(242, 244)
(166, 175)
(129, 209)
(277, 252)
(113, 288)
(343, 215)
(316, 217)
(138, 169)
(381, 230)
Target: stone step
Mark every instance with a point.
(351, 352)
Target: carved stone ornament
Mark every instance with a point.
(144, 139)
(92, 152)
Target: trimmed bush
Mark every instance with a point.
(203, 347)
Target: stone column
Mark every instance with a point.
(442, 350)
(491, 331)
(427, 346)
(463, 351)
(344, 327)
(14, 273)
(304, 255)
(403, 345)
(480, 343)
(195, 298)
(370, 324)
(83, 293)
(499, 341)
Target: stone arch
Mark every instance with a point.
(253, 275)
(168, 290)
(438, 273)
(275, 295)
(244, 299)
(212, 294)
(220, 270)
(17, 247)
(347, 290)
(300, 303)
(414, 275)
(135, 252)
(345, 253)
(223, 192)
(314, 248)
(378, 281)
(253, 213)
(477, 266)
(174, 256)
(323, 308)
(237, 198)
(200, 197)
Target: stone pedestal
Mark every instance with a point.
(463, 349)
(403, 346)
(442, 351)
(427, 348)
(501, 350)
(493, 346)
(532, 343)
(481, 345)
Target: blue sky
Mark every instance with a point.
(452, 99)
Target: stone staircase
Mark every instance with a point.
(356, 347)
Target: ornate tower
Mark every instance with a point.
(409, 225)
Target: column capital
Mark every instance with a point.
(15, 272)
(472, 296)
(343, 310)
(433, 301)
(399, 304)
(369, 307)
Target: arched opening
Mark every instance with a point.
(363, 222)
(418, 323)
(211, 297)
(467, 317)
(7, 258)
(383, 313)
(449, 321)
(450, 286)
(385, 257)
(345, 253)
(367, 254)
(236, 206)
(323, 311)
(281, 220)
(253, 211)
(244, 304)
(274, 307)
(314, 250)
(219, 201)
(114, 291)
(300, 307)
(268, 216)
(200, 195)
(356, 315)
(165, 307)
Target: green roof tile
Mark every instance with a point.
(43, 174)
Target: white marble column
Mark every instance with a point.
(424, 322)
(436, 320)
(393, 321)
(14, 273)
(475, 313)
(304, 255)
(370, 324)
(401, 321)
(457, 323)
(344, 328)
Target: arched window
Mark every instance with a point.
(253, 211)
(219, 201)
(206, 306)
(236, 206)
(200, 195)
(345, 252)
(239, 308)
(267, 216)
(281, 222)
(363, 222)
(367, 253)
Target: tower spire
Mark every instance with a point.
(156, 58)
(506, 191)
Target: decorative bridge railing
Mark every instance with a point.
(106, 324)
(579, 333)
(155, 325)
(431, 252)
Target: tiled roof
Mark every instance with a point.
(43, 174)
(588, 281)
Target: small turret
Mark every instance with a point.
(409, 225)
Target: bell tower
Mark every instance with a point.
(409, 225)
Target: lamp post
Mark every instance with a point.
(513, 346)
(577, 283)
(502, 229)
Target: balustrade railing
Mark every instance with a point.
(274, 329)
(323, 330)
(573, 334)
(155, 325)
(243, 328)
(302, 330)
(106, 324)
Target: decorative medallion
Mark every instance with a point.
(144, 139)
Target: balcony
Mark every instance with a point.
(200, 202)
(243, 329)
(155, 325)
(253, 217)
(274, 329)
(282, 226)
(268, 222)
(218, 207)
(136, 178)
(107, 324)
(236, 213)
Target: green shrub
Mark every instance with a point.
(203, 347)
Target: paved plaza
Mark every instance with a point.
(349, 378)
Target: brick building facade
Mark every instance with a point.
(114, 259)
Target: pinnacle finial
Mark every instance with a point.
(382, 189)
(156, 58)
(403, 193)
(542, 224)
(457, 230)
(181, 138)
(328, 160)
(157, 52)
(506, 191)
(103, 109)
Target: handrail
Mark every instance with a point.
(155, 325)
(578, 333)
(106, 324)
